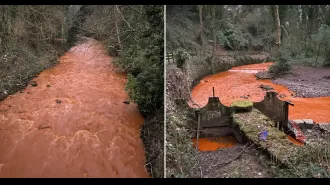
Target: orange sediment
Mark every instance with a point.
(294, 141)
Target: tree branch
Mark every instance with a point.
(123, 17)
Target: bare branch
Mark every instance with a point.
(123, 17)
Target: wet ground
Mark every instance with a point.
(73, 122)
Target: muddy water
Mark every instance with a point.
(91, 133)
(240, 81)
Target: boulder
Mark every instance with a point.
(33, 83)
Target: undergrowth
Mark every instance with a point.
(311, 161)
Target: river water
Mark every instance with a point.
(74, 122)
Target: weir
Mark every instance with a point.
(216, 119)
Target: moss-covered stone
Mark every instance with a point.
(242, 105)
(251, 124)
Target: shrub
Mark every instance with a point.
(180, 57)
(281, 65)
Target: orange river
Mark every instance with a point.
(73, 123)
(240, 81)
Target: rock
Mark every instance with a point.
(282, 96)
(33, 83)
(309, 123)
(29, 93)
(266, 87)
(48, 85)
(21, 92)
(300, 123)
(126, 101)
(58, 101)
(324, 126)
(263, 75)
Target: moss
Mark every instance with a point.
(242, 105)
(277, 144)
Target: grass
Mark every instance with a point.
(311, 161)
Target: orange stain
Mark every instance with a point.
(211, 144)
(240, 81)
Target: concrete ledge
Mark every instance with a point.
(277, 144)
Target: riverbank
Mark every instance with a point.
(306, 82)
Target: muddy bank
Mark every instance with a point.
(73, 123)
(307, 82)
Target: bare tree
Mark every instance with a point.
(277, 27)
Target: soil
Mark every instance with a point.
(237, 161)
(307, 82)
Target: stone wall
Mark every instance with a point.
(198, 67)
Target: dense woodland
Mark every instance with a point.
(300, 32)
(33, 37)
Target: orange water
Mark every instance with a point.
(240, 81)
(211, 144)
(92, 133)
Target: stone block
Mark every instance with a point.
(300, 124)
(309, 123)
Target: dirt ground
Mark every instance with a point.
(240, 161)
(307, 82)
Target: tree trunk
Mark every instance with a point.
(277, 27)
(200, 9)
(117, 29)
(214, 37)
